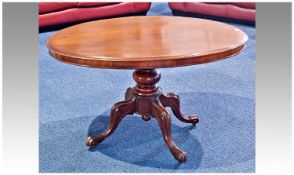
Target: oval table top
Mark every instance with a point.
(145, 42)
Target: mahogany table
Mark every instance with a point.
(144, 44)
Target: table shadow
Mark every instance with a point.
(138, 142)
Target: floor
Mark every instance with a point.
(76, 101)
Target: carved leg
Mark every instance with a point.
(164, 122)
(172, 100)
(118, 111)
(147, 99)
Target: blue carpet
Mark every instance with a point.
(76, 101)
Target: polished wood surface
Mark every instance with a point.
(146, 42)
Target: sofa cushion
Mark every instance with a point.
(48, 7)
(224, 10)
(74, 15)
(94, 4)
(249, 5)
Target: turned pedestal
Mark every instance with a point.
(147, 100)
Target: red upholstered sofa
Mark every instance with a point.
(60, 14)
(242, 12)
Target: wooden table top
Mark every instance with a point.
(145, 42)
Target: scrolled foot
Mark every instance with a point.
(172, 100)
(193, 118)
(181, 157)
(90, 142)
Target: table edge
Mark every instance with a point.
(143, 64)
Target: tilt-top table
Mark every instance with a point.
(144, 44)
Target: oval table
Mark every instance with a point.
(144, 44)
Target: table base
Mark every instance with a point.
(147, 100)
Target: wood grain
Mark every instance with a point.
(146, 42)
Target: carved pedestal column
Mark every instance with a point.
(147, 100)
